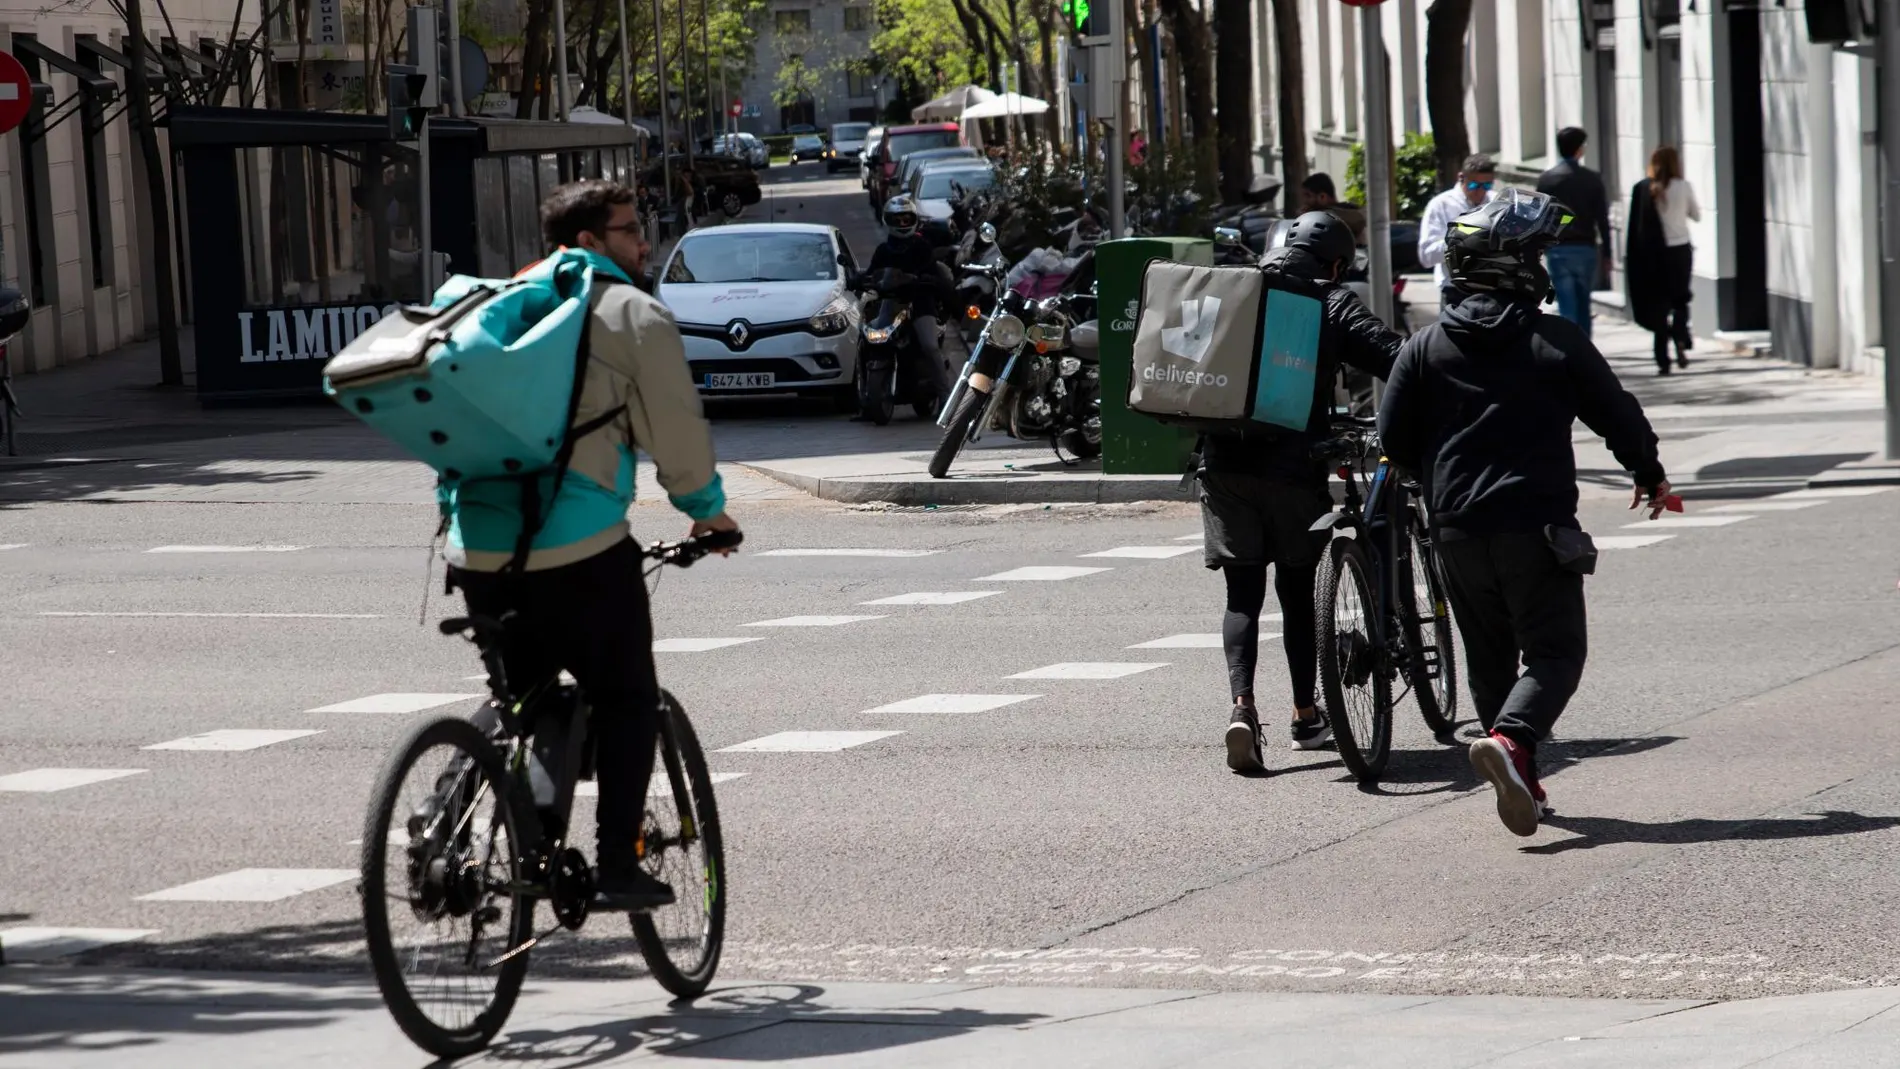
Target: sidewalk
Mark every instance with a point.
(76, 1018)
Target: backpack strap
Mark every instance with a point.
(533, 516)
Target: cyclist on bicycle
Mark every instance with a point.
(1480, 406)
(1262, 492)
(579, 597)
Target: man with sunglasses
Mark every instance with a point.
(1473, 189)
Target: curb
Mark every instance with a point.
(982, 490)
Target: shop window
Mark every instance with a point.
(793, 22)
(857, 19)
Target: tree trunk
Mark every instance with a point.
(1052, 119)
(1234, 65)
(1193, 52)
(1446, 23)
(973, 31)
(1292, 94)
(171, 366)
(1144, 70)
(535, 67)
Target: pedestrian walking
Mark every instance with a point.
(1475, 186)
(1262, 492)
(1479, 406)
(1574, 264)
(1660, 258)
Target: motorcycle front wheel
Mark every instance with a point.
(875, 398)
(969, 410)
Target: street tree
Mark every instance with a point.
(1446, 24)
(1292, 101)
(1193, 51)
(1234, 69)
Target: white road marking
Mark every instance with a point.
(393, 703)
(232, 739)
(225, 549)
(252, 885)
(40, 780)
(1040, 573)
(234, 615)
(848, 553)
(1629, 541)
(809, 741)
(1145, 552)
(1768, 506)
(1830, 491)
(812, 621)
(1196, 537)
(659, 788)
(1089, 670)
(25, 944)
(1688, 521)
(953, 703)
(23, 545)
(1190, 642)
(930, 597)
(693, 645)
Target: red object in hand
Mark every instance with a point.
(1672, 502)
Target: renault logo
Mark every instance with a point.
(737, 333)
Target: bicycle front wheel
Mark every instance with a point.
(1358, 694)
(680, 843)
(1432, 660)
(443, 908)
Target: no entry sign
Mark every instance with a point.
(16, 93)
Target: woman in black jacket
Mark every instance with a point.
(1658, 263)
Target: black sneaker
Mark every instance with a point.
(624, 887)
(1243, 741)
(1313, 732)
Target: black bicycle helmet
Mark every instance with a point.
(1498, 247)
(1323, 237)
(900, 216)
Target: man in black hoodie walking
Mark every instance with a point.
(1480, 405)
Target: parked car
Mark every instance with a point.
(937, 184)
(730, 183)
(801, 128)
(847, 142)
(765, 308)
(899, 142)
(917, 161)
(872, 139)
(807, 147)
(745, 146)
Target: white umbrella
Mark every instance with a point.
(951, 105)
(1005, 106)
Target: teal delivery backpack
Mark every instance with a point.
(1222, 350)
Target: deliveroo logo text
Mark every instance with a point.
(1195, 335)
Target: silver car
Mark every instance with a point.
(765, 308)
(745, 146)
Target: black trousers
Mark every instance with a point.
(1514, 603)
(1677, 267)
(590, 618)
(1250, 522)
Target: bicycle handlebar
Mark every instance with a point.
(686, 551)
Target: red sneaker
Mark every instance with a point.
(1507, 767)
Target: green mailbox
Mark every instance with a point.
(1133, 444)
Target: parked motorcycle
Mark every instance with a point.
(891, 366)
(1034, 374)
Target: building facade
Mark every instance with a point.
(818, 40)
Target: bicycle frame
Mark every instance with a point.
(1376, 517)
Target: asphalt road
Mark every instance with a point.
(1727, 780)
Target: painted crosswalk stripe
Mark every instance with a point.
(234, 739)
(812, 621)
(14, 545)
(1145, 552)
(1769, 506)
(225, 549)
(1688, 521)
(1196, 537)
(953, 703)
(42, 780)
(252, 885)
(848, 553)
(932, 597)
(393, 703)
(1043, 573)
(1090, 670)
(696, 645)
(1830, 491)
(24, 944)
(1191, 642)
(1629, 541)
(232, 615)
(809, 741)
(659, 788)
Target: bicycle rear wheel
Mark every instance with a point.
(680, 843)
(441, 889)
(1432, 657)
(1358, 694)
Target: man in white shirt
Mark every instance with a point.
(1474, 187)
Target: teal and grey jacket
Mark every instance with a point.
(637, 367)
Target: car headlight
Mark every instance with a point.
(833, 318)
(1007, 331)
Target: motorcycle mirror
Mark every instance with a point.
(1228, 237)
(987, 232)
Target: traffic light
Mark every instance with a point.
(409, 93)
(1078, 14)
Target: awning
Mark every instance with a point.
(950, 106)
(91, 82)
(1005, 106)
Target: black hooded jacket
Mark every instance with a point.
(1349, 334)
(1480, 406)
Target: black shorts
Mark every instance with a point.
(1251, 520)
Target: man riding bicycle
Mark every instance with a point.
(579, 597)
